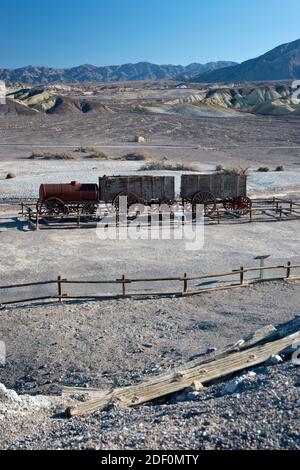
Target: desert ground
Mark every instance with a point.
(120, 342)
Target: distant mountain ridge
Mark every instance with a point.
(281, 63)
(91, 73)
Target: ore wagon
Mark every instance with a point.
(138, 189)
(229, 189)
(58, 200)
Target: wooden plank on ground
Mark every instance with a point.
(174, 382)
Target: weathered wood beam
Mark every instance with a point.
(174, 382)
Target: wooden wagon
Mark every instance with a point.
(229, 189)
(144, 190)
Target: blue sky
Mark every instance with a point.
(102, 32)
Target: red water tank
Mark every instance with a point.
(69, 192)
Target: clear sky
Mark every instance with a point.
(64, 33)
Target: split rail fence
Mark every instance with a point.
(185, 280)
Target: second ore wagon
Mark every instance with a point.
(144, 190)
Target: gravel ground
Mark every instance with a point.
(116, 343)
(263, 413)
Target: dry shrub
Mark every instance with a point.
(239, 170)
(220, 168)
(263, 169)
(162, 165)
(280, 168)
(40, 155)
(136, 156)
(96, 153)
(81, 149)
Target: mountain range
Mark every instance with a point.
(91, 73)
(281, 63)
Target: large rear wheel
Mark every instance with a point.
(52, 209)
(207, 199)
(242, 205)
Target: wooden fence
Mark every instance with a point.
(262, 210)
(124, 282)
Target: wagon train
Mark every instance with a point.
(230, 190)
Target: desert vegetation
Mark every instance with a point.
(42, 155)
(96, 153)
(136, 156)
(163, 165)
(238, 170)
(263, 169)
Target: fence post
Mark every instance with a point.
(185, 283)
(242, 273)
(37, 225)
(59, 288)
(218, 212)
(288, 269)
(123, 285)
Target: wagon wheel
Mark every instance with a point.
(207, 199)
(52, 209)
(168, 201)
(132, 200)
(89, 210)
(171, 203)
(229, 204)
(242, 205)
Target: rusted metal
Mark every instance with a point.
(58, 200)
(70, 192)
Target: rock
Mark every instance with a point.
(8, 395)
(10, 176)
(276, 359)
(235, 384)
(195, 387)
(139, 139)
(211, 350)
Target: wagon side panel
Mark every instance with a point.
(191, 184)
(242, 186)
(146, 187)
(111, 186)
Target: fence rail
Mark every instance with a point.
(185, 290)
(274, 209)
